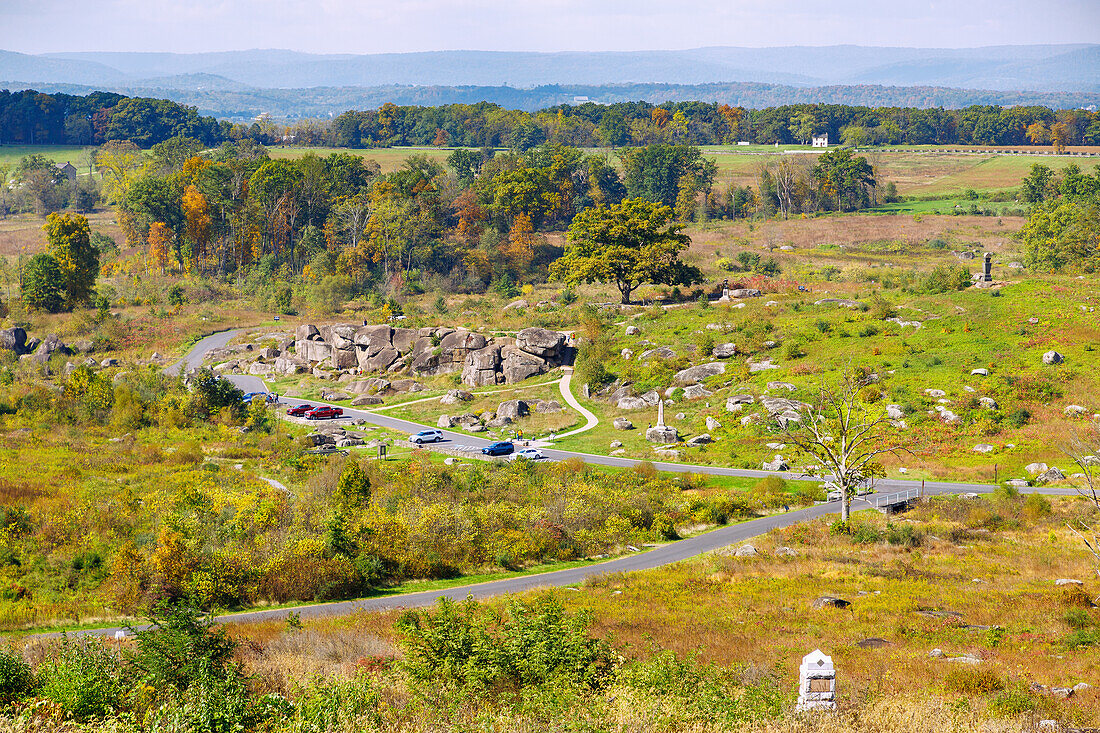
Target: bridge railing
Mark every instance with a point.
(899, 497)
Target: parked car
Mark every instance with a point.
(298, 410)
(249, 395)
(324, 412)
(500, 448)
(531, 454)
(431, 435)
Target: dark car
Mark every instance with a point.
(298, 410)
(249, 395)
(323, 412)
(500, 448)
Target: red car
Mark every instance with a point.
(298, 410)
(324, 411)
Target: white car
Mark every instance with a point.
(431, 435)
(531, 454)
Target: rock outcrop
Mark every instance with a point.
(429, 351)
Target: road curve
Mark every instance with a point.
(657, 557)
(591, 420)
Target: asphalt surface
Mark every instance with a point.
(652, 558)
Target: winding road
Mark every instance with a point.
(656, 557)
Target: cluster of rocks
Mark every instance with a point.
(39, 351)
(432, 351)
(507, 412)
(338, 437)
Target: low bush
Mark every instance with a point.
(16, 677)
(973, 680)
(84, 678)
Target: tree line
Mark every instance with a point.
(331, 227)
(33, 118)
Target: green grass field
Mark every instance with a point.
(75, 154)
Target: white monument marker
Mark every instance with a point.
(816, 682)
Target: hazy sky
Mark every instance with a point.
(370, 26)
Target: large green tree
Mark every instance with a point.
(844, 181)
(76, 256)
(43, 284)
(628, 244)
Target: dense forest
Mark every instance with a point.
(30, 117)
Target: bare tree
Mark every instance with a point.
(843, 434)
(1084, 450)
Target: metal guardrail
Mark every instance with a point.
(899, 497)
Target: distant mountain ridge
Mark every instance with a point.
(1044, 68)
(230, 100)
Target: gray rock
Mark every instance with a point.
(988, 403)
(735, 403)
(980, 372)
(712, 424)
(335, 396)
(1036, 468)
(669, 454)
(366, 400)
(661, 352)
(785, 552)
(745, 293)
(633, 330)
(701, 439)
(777, 464)
(540, 341)
(307, 332)
(513, 409)
(83, 346)
(1018, 483)
(258, 367)
(680, 415)
(621, 423)
(935, 393)
(626, 354)
(1074, 411)
(1068, 581)
(445, 421)
(111, 362)
(516, 304)
(14, 339)
(1053, 357)
(984, 448)
(1050, 475)
(695, 392)
(935, 653)
(894, 412)
(662, 434)
(519, 365)
(830, 602)
(454, 396)
(725, 351)
(761, 366)
(547, 406)
(616, 444)
(781, 385)
(783, 410)
(746, 550)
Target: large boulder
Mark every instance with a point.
(540, 341)
(662, 434)
(482, 367)
(286, 365)
(372, 339)
(725, 351)
(403, 339)
(48, 346)
(661, 352)
(1053, 357)
(312, 350)
(518, 365)
(621, 423)
(783, 410)
(696, 374)
(14, 339)
(695, 392)
(456, 346)
(380, 361)
(513, 409)
(344, 358)
(307, 332)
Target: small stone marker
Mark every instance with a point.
(816, 682)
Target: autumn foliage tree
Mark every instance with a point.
(71, 246)
(160, 243)
(628, 244)
(197, 220)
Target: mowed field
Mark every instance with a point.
(75, 154)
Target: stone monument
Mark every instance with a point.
(816, 682)
(985, 279)
(661, 433)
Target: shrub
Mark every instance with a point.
(903, 535)
(1077, 618)
(463, 644)
(865, 534)
(84, 678)
(180, 646)
(16, 677)
(1018, 418)
(794, 350)
(1012, 702)
(969, 680)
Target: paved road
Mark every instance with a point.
(664, 555)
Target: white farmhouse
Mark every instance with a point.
(821, 141)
